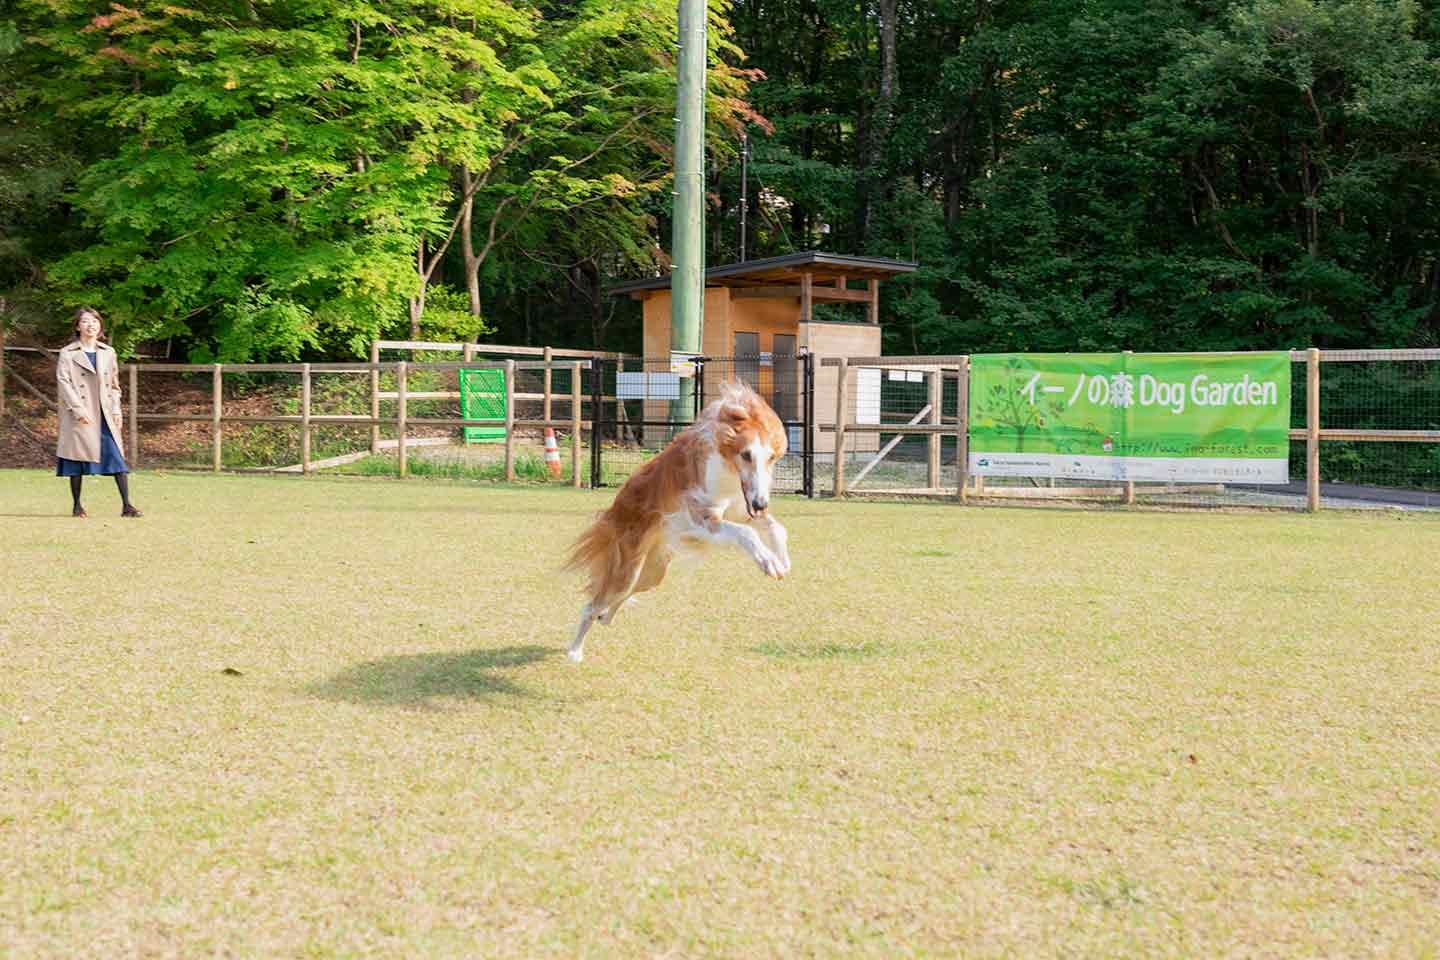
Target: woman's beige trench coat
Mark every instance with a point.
(88, 392)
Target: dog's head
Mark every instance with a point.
(751, 439)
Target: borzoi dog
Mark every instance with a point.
(710, 485)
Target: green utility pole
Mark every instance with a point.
(687, 277)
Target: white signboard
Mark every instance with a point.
(647, 386)
(867, 394)
(683, 364)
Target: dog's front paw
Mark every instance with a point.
(771, 565)
(576, 654)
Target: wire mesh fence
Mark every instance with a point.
(1364, 398)
(1385, 392)
(905, 394)
(782, 381)
(645, 402)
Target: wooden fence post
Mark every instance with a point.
(936, 379)
(401, 375)
(842, 396)
(549, 356)
(2, 362)
(510, 421)
(1129, 484)
(375, 397)
(134, 415)
(962, 430)
(216, 398)
(1312, 430)
(575, 424)
(468, 353)
(304, 419)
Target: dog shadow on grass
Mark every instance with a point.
(426, 680)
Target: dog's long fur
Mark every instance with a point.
(710, 485)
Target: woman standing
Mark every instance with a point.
(88, 375)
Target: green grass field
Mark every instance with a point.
(329, 717)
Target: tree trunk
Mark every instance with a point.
(472, 262)
(1311, 185)
(814, 65)
(598, 321)
(957, 146)
(472, 282)
(879, 182)
(417, 302)
(887, 57)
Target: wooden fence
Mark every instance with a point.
(468, 352)
(573, 361)
(306, 419)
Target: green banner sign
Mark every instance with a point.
(1211, 417)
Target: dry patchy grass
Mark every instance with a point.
(286, 717)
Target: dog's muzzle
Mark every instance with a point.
(753, 505)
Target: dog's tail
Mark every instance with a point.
(595, 551)
(611, 553)
(594, 544)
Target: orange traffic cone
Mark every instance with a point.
(552, 453)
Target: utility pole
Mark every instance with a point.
(744, 187)
(687, 277)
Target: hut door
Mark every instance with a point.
(747, 359)
(786, 377)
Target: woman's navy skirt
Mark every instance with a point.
(111, 459)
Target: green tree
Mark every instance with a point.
(270, 179)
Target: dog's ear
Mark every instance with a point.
(732, 412)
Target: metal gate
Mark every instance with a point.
(641, 403)
(482, 397)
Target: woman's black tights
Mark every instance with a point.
(122, 483)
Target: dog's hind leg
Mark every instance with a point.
(615, 602)
(635, 572)
(602, 605)
(577, 646)
(656, 563)
(600, 610)
(647, 577)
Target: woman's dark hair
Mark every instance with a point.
(75, 326)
